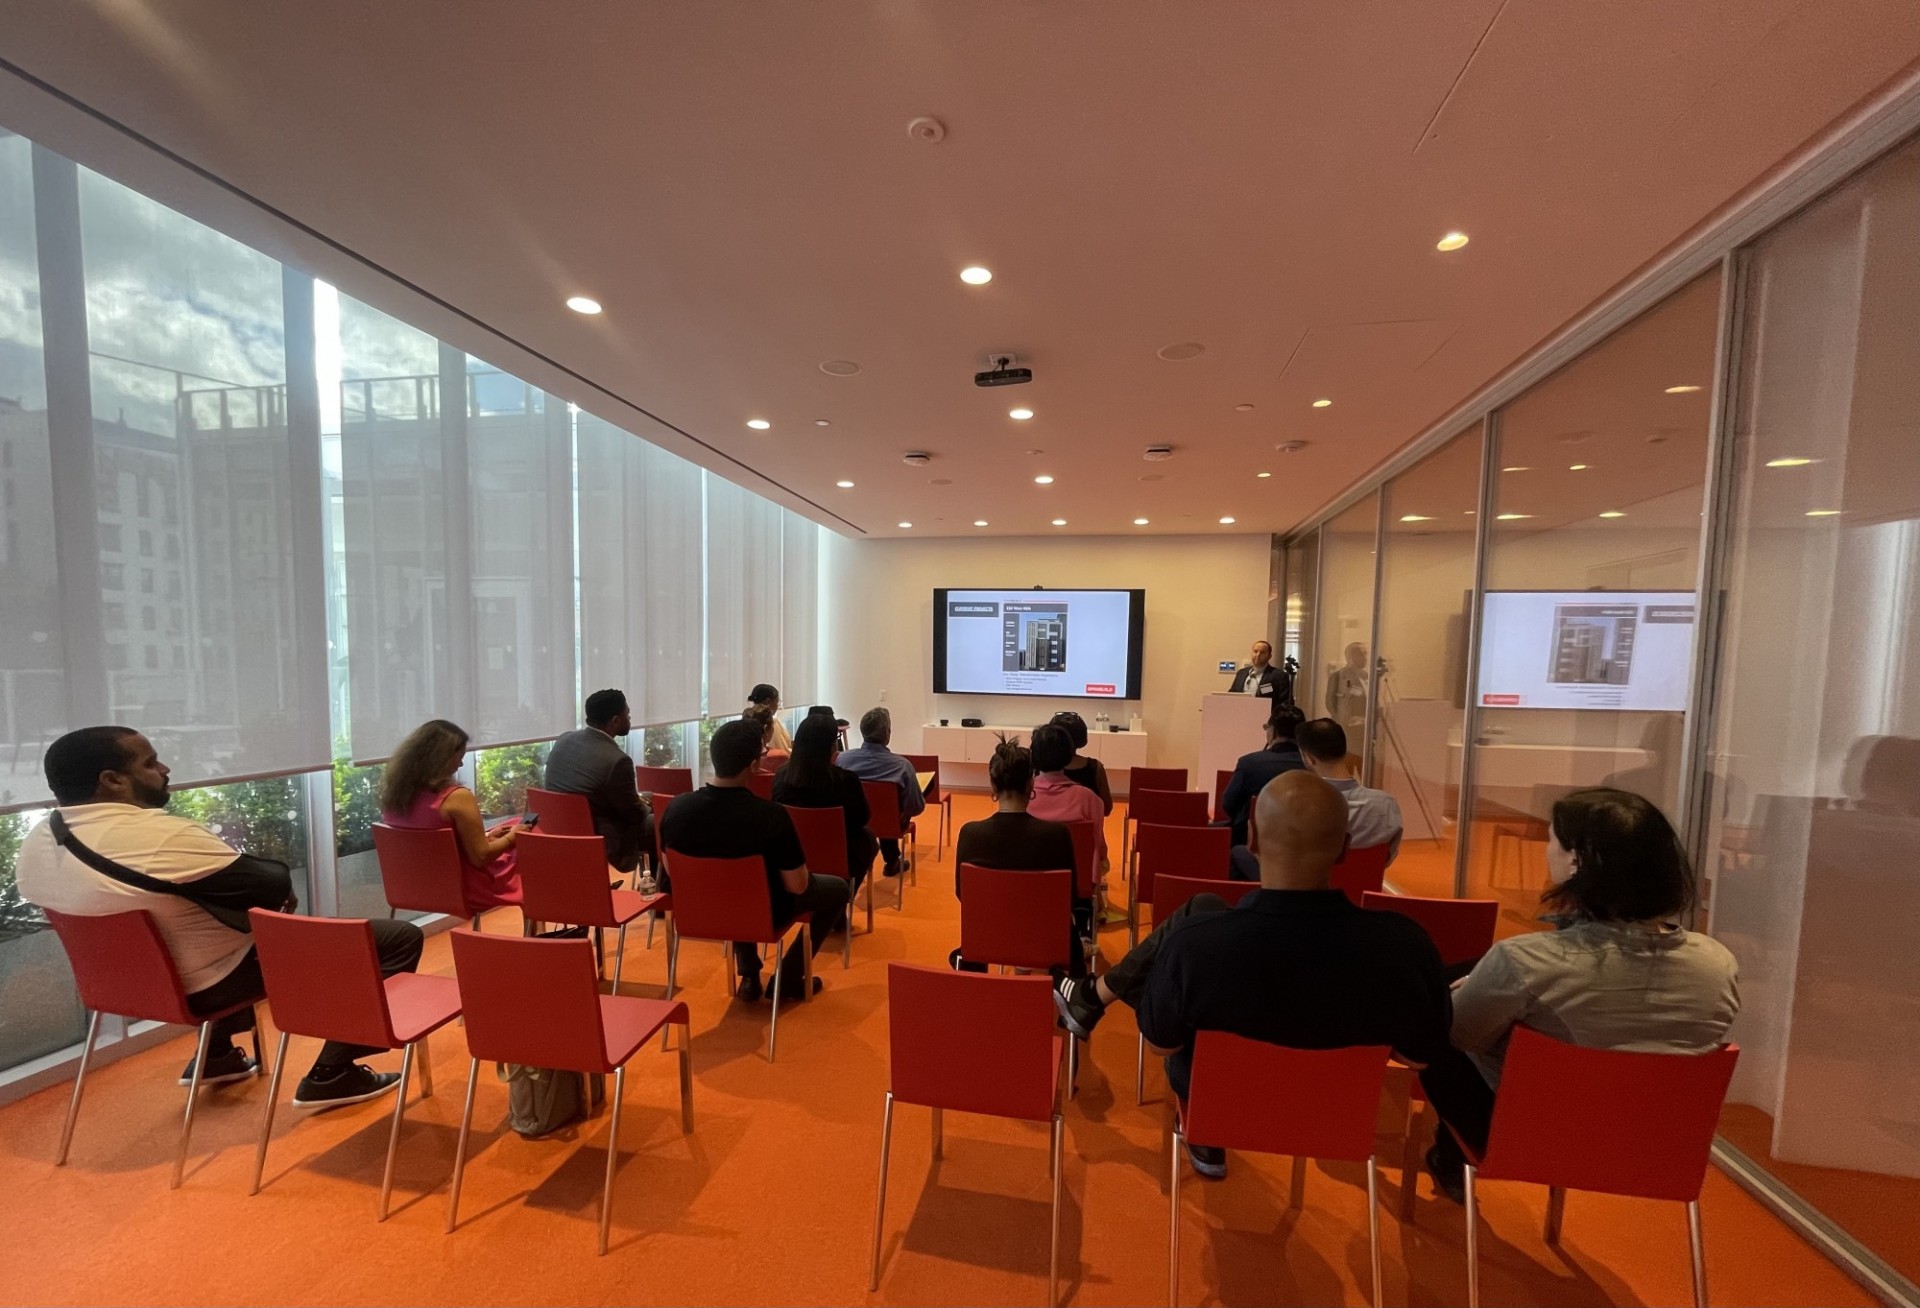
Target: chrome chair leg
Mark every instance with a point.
(273, 1098)
(1473, 1242)
(425, 1061)
(880, 1199)
(686, 1081)
(1053, 1254)
(1173, 1221)
(1696, 1240)
(1373, 1221)
(673, 956)
(193, 1097)
(773, 1028)
(1556, 1212)
(393, 1135)
(652, 917)
(620, 956)
(460, 1149)
(79, 1084)
(613, 1153)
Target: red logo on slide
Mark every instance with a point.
(1100, 688)
(1501, 701)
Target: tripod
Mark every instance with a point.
(1389, 696)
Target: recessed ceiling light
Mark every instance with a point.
(1263, 474)
(1468, 512)
(1823, 513)
(1516, 468)
(976, 275)
(1451, 241)
(979, 522)
(1139, 522)
(1613, 513)
(1681, 390)
(1226, 522)
(1181, 350)
(1043, 480)
(1059, 522)
(758, 424)
(1322, 404)
(1791, 461)
(821, 422)
(844, 485)
(583, 304)
(1019, 415)
(1415, 517)
(1243, 408)
(905, 525)
(1513, 517)
(840, 367)
(1576, 467)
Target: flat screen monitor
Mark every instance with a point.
(1058, 644)
(1586, 649)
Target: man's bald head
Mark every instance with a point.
(1299, 831)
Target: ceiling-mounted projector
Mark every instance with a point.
(1001, 372)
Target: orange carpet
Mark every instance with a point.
(770, 1201)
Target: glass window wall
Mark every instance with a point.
(1340, 673)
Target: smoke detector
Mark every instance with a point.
(918, 458)
(1158, 453)
(1291, 447)
(927, 131)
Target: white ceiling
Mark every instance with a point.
(735, 182)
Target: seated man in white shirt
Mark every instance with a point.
(1373, 816)
(111, 788)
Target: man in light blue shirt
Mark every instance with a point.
(873, 761)
(1373, 816)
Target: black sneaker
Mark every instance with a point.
(1209, 1161)
(1079, 1005)
(233, 1065)
(1450, 1181)
(355, 1083)
(891, 869)
(751, 988)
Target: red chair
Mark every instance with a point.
(1309, 1103)
(1168, 808)
(1170, 895)
(1647, 1123)
(121, 965)
(563, 879)
(1016, 919)
(323, 978)
(1086, 858)
(561, 813)
(727, 899)
(1221, 779)
(1142, 779)
(422, 871)
(1462, 930)
(1195, 851)
(537, 1003)
(883, 819)
(662, 781)
(823, 839)
(975, 1044)
(936, 797)
(1360, 871)
(761, 784)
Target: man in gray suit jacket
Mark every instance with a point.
(588, 762)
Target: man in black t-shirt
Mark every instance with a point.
(724, 819)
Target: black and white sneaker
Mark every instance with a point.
(1209, 1161)
(233, 1065)
(353, 1084)
(1079, 1005)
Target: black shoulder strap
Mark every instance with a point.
(63, 836)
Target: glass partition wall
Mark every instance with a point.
(1687, 564)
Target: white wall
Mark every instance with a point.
(1206, 601)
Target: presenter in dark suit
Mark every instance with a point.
(589, 762)
(1261, 677)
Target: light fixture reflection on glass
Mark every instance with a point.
(1019, 415)
(1415, 517)
(583, 304)
(1823, 513)
(1681, 390)
(1576, 467)
(1043, 480)
(1613, 513)
(1790, 461)
(1516, 468)
(1451, 241)
(844, 485)
(976, 275)
(1512, 517)
(758, 424)
(1321, 404)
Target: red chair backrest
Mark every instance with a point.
(823, 838)
(561, 814)
(1180, 852)
(1461, 929)
(1311, 1103)
(323, 977)
(530, 1001)
(721, 898)
(1221, 780)
(971, 1042)
(1360, 871)
(122, 966)
(1020, 919)
(663, 781)
(761, 784)
(1139, 779)
(1168, 808)
(927, 763)
(564, 878)
(1610, 1120)
(1086, 857)
(421, 869)
(883, 809)
(1170, 893)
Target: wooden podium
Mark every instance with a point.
(1230, 725)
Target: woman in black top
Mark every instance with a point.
(1012, 839)
(1081, 770)
(810, 780)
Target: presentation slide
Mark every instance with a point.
(1585, 649)
(1063, 643)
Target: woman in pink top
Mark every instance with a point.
(1055, 798)
(418, 791)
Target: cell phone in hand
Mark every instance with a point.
(529, 820)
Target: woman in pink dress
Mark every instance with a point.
(418, 791)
